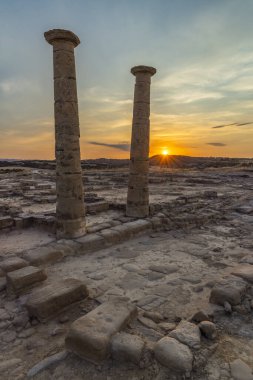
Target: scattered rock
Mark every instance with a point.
(245, 272)
(208, 329)
(227, 307)
(166, 269)
(173, 355)
(231, 289)
(240, 370)
(126, 347)
(155, 316)
(187, 333)
(200, 316)
(45, 363)
(147, 322)
(167, 326)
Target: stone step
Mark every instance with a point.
(44, 255)
(89, 337)
(13, 263)
(22, 279)
(53, 298)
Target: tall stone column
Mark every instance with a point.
(70, 208)
(138, 194)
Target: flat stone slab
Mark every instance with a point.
(23, 278)
(230, 289)
(51, 299)
(165, 269)
(89, 336)
(13, 263)
(43, 255)
(187, 333)
(245, 272)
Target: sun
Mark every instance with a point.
(165, 152)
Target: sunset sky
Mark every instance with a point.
(202, 50)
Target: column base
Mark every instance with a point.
(137, 211)
(70, 229)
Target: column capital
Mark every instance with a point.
(143, 70)
(61, 34)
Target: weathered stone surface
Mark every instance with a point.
(187, 333)
(89, 336)
(166, 269)
(4, 315)
(97, 207)
(245, 272)
(9, 364)
(90, 243)
(208, 329)
(138, 194)
(127, 347)
(12, 264)
(23, 278)
(130, 229)
(70, 209)
(173, 355)
(5, 222)
(50, 299)
(110, 236)
(44, 255)
(200, 316)
(240, 370)
(45, 363)
(230, 289)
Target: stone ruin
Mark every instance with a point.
(109, 327)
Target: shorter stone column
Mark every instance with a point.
(138, 194)
(70, 209)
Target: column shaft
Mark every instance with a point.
(138, 193)
(70, 208)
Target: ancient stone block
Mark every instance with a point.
(90, 336)
(51, 299)
(110, 236)
(127, 347)
(13, 263)
(44, 255)
(97, 207)
(20, 279)
(90, 243)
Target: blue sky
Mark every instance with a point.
(203, 52)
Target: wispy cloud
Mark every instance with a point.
(216, 144)
(121, 146)
(236, 124)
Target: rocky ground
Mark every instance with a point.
(168, 272)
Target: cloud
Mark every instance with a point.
(121, 146)
(237, 124)
(216, 144)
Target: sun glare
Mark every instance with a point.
(165, 152)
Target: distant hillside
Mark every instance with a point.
(172, 161)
